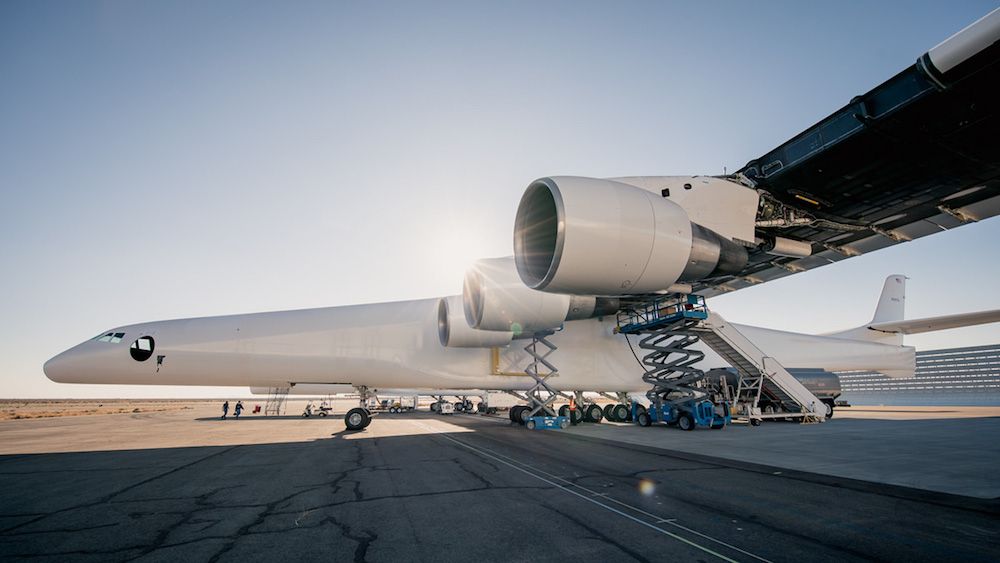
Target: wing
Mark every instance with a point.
(916, 155)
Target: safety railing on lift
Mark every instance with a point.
(661, 311)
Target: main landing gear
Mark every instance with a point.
(359, 418)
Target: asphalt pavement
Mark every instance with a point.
(416, 487)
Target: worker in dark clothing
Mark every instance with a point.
(238, 409)
(225, 410)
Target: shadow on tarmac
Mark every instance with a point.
(419, 495)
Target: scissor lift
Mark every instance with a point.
(670, 325)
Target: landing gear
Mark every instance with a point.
(357, 419)
(620, 413)
(593, 413)
(608, 412)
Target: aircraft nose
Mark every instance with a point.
(60, 367)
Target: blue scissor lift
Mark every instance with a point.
(666, 323)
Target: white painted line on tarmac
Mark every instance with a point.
(671, 521)
(503, 459)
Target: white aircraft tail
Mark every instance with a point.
(889, 323)
(892, 303)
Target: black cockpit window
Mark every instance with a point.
(112, 337)
(142, 349)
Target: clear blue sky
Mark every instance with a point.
(173, 159)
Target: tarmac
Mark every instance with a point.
(185, 485)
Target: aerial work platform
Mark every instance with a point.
(674, 323)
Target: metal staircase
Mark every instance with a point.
(275, 405)
(758, 373)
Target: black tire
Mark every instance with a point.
(530, 424)
(829, 407)
(564, 424)
(575, 416)
(481, 408)
(609, 413)
(459, 406)
(685, 422)
(755, 422)
(515, 413)
(434, 407)
(620, 412)
(643, 419)
(357, 419)
(594, 413)
(718, 425)
(525, 415)
(564, 410)
(322, 413)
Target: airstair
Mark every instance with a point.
(276, 397)
(672, 324)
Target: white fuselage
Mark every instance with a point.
(397, 345)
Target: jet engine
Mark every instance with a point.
(454, 332)
(587, 236)
(495, 298)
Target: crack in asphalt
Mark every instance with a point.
(106, 498)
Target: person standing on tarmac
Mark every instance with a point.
(225, 410)
(238, 409)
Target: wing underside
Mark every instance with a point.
(916, 155)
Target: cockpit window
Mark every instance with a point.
(112, 337)
(142, 349)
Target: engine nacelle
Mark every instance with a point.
(455, 332)
(495, 298)
(586, 236)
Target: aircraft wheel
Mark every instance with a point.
(564, 410)
(515, 413)
(481, 408)
(594, 413)
(643, 419)
(755, 422)
(357, 419)
(685, 421)
(620, 412)
(434, 407)
(829, 407)
(576, 416)
(609, 413)
(530, 424)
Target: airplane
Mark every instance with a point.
(914, 156)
